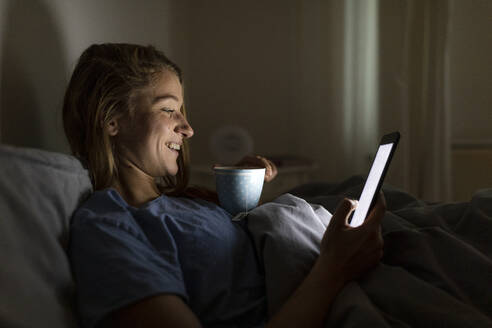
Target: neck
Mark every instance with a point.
(135, 186)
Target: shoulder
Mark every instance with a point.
(113, 260)
(105, 208)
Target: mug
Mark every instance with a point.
(239, 188)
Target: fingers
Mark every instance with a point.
(374, 242)
(370, 253)
(373, 245)
(271, 169)
(377, 213)
(266, 164)
(373, 259)
(345, 207)
(363, 262)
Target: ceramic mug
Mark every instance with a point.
(239, 188)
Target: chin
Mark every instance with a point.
(172, 171)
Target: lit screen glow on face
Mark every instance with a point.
(371, 184)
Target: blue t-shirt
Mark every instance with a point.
(181, 246)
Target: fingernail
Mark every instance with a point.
(354, 202)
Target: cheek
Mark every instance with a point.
(162, 128)
(159, 133)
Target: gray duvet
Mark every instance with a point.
(436, 270)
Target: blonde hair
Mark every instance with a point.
(104, 85)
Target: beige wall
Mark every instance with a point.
(271, 67)
(470, 51)
(470, 98)
(243, 73)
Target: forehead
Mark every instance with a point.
(167, 83)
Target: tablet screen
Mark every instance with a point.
(372, 182)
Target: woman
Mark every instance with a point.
(148, 251)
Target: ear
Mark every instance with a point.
(112, 127)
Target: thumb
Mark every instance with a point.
(343, 211)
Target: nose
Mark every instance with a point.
(184, 128)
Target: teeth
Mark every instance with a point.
(174, 146)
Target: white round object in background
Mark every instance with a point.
(229, 144)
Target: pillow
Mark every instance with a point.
(39, 190)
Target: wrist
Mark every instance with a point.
(311, 301)
(328, 274)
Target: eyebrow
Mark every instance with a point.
(164, 97)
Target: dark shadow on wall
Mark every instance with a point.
(33, 77)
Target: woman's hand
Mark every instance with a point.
(259, 161)
(349, 252)
(345, 254)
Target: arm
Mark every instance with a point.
(121, 279)
(164, 310)
(309, 304)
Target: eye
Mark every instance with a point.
(167, 110)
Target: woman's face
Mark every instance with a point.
(152, 140)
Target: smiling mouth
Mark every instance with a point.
(173, 146)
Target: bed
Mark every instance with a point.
(436, 271)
